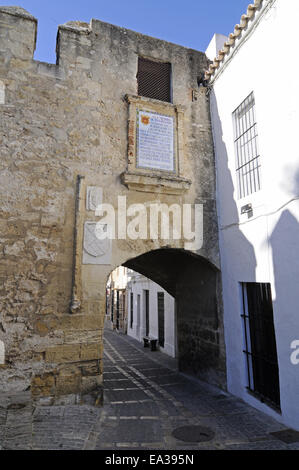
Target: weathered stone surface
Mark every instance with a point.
(91, 351)
(68, 381)
(64, 353)
(68, 120)
(43, 385)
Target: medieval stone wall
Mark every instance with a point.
(58, 122)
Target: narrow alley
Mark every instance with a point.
(147, 405)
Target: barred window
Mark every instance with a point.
(154, 79)
(247, 151)
(260, 342)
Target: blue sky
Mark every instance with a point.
(190, 23)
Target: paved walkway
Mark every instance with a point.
(146, 399)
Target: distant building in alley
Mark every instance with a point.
(141, 308)
(151, 312)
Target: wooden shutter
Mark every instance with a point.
(154, 79)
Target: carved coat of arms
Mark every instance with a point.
(96, 243)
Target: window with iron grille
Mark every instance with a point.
(246, 148)
(260, 343)
(154, 79)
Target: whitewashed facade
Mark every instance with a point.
(262, 244)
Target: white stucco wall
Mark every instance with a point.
(215, 45)
(137, 286)
(265, 247)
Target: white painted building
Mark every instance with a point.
(116, 299)
(151, 312)
(255, 116)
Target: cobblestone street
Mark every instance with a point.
(145, 401)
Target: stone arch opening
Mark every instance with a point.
(194, 284)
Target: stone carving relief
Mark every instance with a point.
(95, 249)
(94, 197)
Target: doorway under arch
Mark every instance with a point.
(194, 282)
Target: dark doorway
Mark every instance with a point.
(112, 306)
(117, 310)
(161, 318)
(131, 310)
(138, 316)
(146, 305)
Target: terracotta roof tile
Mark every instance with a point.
(245, 19)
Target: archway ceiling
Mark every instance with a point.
(166, 266)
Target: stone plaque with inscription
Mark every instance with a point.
(155, 141)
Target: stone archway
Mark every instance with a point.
(83, 147)
(193, 282)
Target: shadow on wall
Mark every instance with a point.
(238, 264)
(238, 259)
(284, 242)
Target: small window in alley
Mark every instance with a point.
(246, 148)
(154, 79)
(161, 318)
(131, 309)
(260, 343)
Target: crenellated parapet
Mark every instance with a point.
(18, 30)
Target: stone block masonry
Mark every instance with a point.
(69, 120)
